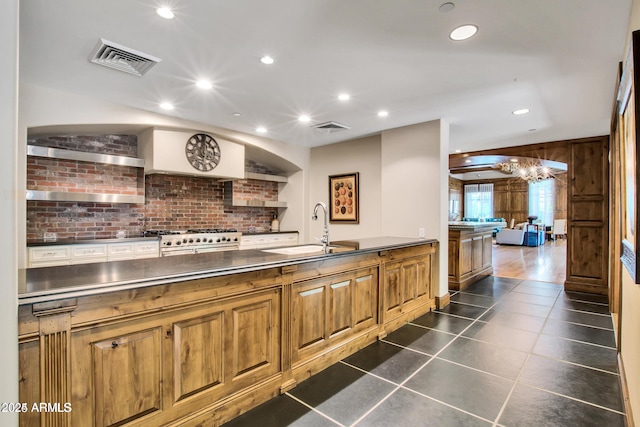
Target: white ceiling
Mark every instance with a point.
(556, 57)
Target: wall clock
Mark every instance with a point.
(203, 152)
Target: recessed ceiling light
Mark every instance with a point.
(463, 32)
(446, 7)
(304, 118)
(344, 97)
(467, 161)
(166, 106)
(533, 130)
(165, 12)
(383, 113)
(267, 60)
(261, 129)
(236, 114)
(458, 151)
(521, 111)
(204, 84)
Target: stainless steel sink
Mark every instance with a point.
(298, 250)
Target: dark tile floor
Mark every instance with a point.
(505, 352)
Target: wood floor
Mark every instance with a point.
(546, 263)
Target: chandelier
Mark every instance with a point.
(530, 173)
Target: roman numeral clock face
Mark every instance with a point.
(203, 152)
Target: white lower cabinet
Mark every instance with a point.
(264, 241)
(49, 256)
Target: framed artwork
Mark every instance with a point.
(344, 198)
(627, 119)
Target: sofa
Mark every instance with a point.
(508, 236)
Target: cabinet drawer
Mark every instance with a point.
(147, 249)
(120, 250)
(49, 253)
(88, 253)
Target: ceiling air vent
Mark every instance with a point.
(122, 58)
(330, 127)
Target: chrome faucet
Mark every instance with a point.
(325, 233)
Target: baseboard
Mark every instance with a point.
(625, 392)
(443, 301)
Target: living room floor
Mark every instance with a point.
(505, 352)
(546, 263)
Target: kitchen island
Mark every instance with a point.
(470, 252)
(200, 339)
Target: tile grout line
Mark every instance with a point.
(575, 399)
(517, 380)
(313, 409)
(401, 385)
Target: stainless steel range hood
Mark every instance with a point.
(164, 151)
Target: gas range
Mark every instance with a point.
(195, 241)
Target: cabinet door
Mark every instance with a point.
(487, 248)
(45, 256)
(127, 377)
(329, 309)
(392, 288)
(476, 255)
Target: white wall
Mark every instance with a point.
(403, 186)
(8, 260)
(415, 166)
(359, 155)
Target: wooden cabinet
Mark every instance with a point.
(407, 286)
(328, 308)
(470, 256)
(47, 256)
(203, 351)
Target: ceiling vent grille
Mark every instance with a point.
(330, 127)
(122, 58)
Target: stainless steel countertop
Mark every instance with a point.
(70, 281)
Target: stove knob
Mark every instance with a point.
(228, 239)
(210, 240)
(184, 240)
(198, 240)
(168, 243)
(178, 243)
(218, 240)
(190, 240)
(235, 240)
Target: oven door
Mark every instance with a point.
(171, 252)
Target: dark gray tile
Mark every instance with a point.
(542, 285)
(582, 306)
(528, 406)
(388, 361)
(587, 334)
(590, 319)
(464, 310)
(545, 291)
(429, 341)
(472, 299)
(443, 322)
(492, 286)
(514, 320)
(577, 352)
(472, 391)
(523, 308)
(529, 298)
(497, 334)
(343, 393)
(581, 296)
(406, 408)
(280, 411)
(486, 357)
(589, 385)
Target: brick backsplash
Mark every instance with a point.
(171, 202)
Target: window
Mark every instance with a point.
(541, 195)
(478, 201)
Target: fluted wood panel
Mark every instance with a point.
(364, 302)
(392, 288)
(198, 354)
(409, 282)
